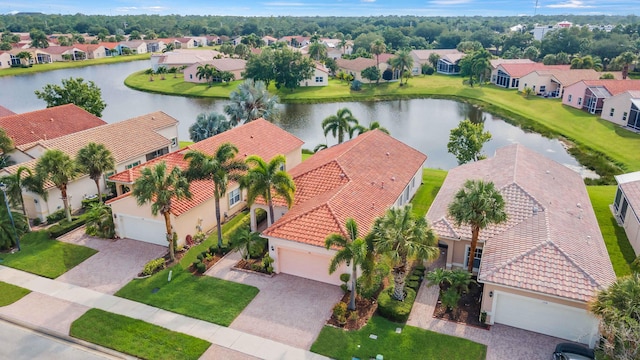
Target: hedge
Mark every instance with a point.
(64, 226)
(395, 310)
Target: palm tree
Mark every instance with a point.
(60, 169)
(168, 47)
(319, 147)
(317, 50)
(399, 235)
(627, 58)
(96, 159)
(339, 124)
(159, 187)
(265, 178)
(359, 129)
(11, 227)
(251, 101)
(243, 239)
(207, 72)
(100, 221)
(208, 125)
(479, 205)
(378, 47)
(403, 62)
(221, 167)
(15, 183)
(352, 251)
(6, 143)
(343, 45)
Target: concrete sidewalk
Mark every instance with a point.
(218, 335)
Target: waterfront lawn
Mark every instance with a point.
(432, 180)
(71, 64)
(136, 337)
(46, 257)
(412, 343)
(620, 251)
(177, 86)
(10, 293)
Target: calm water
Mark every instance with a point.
(421, 123)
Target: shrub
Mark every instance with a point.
(393, 309)
(418, 273)
(356, 85)
(450, 298)
(37, 221)
(427, 69)
(256, 267)
(87, 202)
(153, 266)
(413, 284)
(414, 278)
(213, 249)
(204, 254)
(200, 257)
(55, 216)
(370, 290)
(420, 267)
(340, 312)
(201, 268)
(65, 226)
(199, 237)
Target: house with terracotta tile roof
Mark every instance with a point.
(234, 66)
(448, 64)
(132, 142)
(626, 207)
(65, 53)
(507, 72)
(5, 60)
(357, 65)
(92, 51)
(421, 57)
(182, 57)
(623, 109)
(541, 267)
(258, 137)
(320, 76)
(552, 82)
(590, 95)
(360, 178)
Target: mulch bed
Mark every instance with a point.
(249, 265)
(365, 308)
(468, 311)
(209, 263)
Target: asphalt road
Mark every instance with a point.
(19, 343)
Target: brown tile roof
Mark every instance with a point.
(48, 123)
(630, 186)
(360, 178)
(519, 70)
(615, 87)
(357, 64)
(551, 242)
(258, 137)
(496, 62)
(384, 58)
(424, 54)
(572, 76)
(5, 112)
(229, 64)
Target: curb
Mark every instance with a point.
(66, 338)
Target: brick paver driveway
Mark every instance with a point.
(115, 264)
(288, 309)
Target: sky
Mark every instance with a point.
(326, 7)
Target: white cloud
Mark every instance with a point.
(368, 1)
(570, 4)
(450, 2)
(284, 4)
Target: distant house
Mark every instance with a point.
(505, 80)
(184, 43)
(5, 59)
(590, 95)
(296, 41)
(421, 57)
(623, 109)
(135, 46)
(355, 67)
(111, 48)
(155, 45)
(269, 40)
(320, 77)
(334, 50)
(182, 57)
(258, 137)
(66, 53)
(38, 56)
(543, 265)
(236, 40)
(449, 64)
(234, 66)
(132, 142)
(552, 82)
(507, 73)
(626, 207)
(92, 51)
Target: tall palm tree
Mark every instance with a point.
(221, 167)
(11, 227)
(207, 72)
(266, 178)
(359, 129)
(15, 183)
(96, 159)
(60, 169)
(251, 101)
(352, 251)
(400, 235)
(339, 124)
(627, 58)
(317, 50)
(402, 62)
(208, 125)
(159, 187)
(244, 239)
(378, 47)
(478, 204)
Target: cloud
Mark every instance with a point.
(570, 4)
(284, 4)
(450, 2)
(368, 1)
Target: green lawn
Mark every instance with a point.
(412, 343)
(46, 257)
(10, 293)
(620, 250)
(201, 297)
(432, 180)
(184, 144)
(136, 337)
(71, 64)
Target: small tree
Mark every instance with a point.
(466, 141)
(60, 169)
(244, 240)
(74, 91)
(371, 73)
(100, 221)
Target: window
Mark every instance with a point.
(543, 88)
(190, 76)
(234, 197)
(624, 116)
(107, 174)
(132, 165)
(413, 182)
(569, 98)
(476, 258)
(319, 79)
(623, 209)
(174, 142)
(406, 194)
(616, 203)
(579, 101)
(155, 154)
(611, 111)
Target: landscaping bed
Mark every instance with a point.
(468, 310)
(365, 308)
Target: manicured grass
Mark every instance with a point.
(46, 257)
(71, 64)
(306, 156)
(177, 86)
(201, 297)
(10, 293)
(432, 180)
(412, 343)
(136, 337)
(184, 144)
(620, 251)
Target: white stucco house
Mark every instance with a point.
(626, 207)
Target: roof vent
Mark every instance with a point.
(382, 185)
(51, 119)
(153, 118)
(373, 205)
(342, 175)
(251, 136)
(535, 210)
(388, 153)
(548, 172)
(393, 178)
(579, 206)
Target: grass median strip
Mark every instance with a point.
(10, 293)
(411, 343)
(46, 257)
(136, 337)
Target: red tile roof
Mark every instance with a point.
(5, 112)
(519, 70)
(423, 55)
(615, 87)
(360, 178)
(258, 137)
(48, 123)
(500, 61)
(551, 242)
(357, 64)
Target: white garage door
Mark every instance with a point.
(545, 317)
(138, 228)
(307, 265)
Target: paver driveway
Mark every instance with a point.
(288, 309)
(115, 264)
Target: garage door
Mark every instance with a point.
(545, 317)
(307, 265)
(138, 228)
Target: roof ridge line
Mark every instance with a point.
(575, 264)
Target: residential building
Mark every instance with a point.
(92, 51)
(234, 66)
(132, 142)
(504, 81)
(626, 206)
(135, 46)
(355, 67)
(269, 40)
(182, 57)
(184, 43)
(421, 57)
(590, 95)
(5, 59)
(623, 109)
(65, 53)
(552, 82)
(258, 137)
(5, 112)
(320, 76)
(360, 179)
(296, 41)
(448, 64)
(507, 74)
(543, 265)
